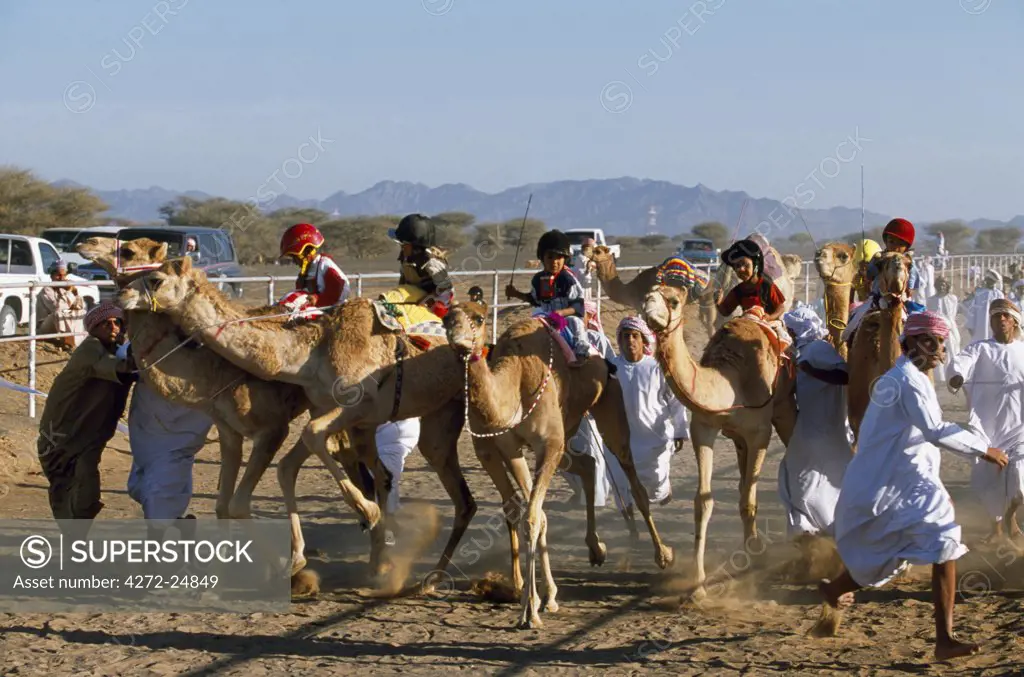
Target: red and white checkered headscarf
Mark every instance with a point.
(593, 319)
(101, 313)
(925, 323)
(635, 323)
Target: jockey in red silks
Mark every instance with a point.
(321, 282)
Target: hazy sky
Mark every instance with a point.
(735, 94)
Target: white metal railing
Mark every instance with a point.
(960, 266)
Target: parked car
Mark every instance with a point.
(699, 250)
(578, 235)
(23, 260)
(65, 239)
(212, 251)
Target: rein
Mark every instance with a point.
(540, 392)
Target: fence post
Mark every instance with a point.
(32, 349)
(807, 283)
(270, 290)
(494, 310)
(600, 293)
(359, 284)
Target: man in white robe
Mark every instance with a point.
(944, 304)
(588, 440)
(811, 472)
(164, 437)
(893, 510)
(658, 424)
(927, 288)
(61, 310)
(992, 373)
(977, 305)
(395, 441)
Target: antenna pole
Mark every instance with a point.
(862, 231)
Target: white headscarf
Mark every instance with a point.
(805, 324)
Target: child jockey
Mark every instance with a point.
(321, 282)
(557, 294)
(425, 289)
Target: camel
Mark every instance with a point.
(356, 374)
(876, 342)
(634, 292)
(740, 387)
(524, 394)
(241, 405)
(834, 262)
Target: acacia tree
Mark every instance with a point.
(652, 241)
(30, 205)
(998, 240)
(958, 234)
(714, 231)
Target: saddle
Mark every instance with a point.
(419, 334)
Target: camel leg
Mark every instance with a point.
(585, 467)
(550, 589)
(754, 453)
(510, 502)
(439, 444)
(549, 453)
(287, 474)
(610, 416)
(520, 469)
(264, 446)
(365, 442)
(315, 437)
(784, 413)
(230, 462)
(703, 437)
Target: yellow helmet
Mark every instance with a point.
(866, 250)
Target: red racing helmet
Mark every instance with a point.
(901, 229)
(300, 236)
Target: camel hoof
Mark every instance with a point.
(551, 605)
(371, 516)
(530, 622)
(699, 594)
(305, 584)
(598, 554)
(665, 557)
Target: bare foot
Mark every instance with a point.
(954, 649)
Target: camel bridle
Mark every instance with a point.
(471, 356)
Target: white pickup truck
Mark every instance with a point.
(578, 235)
(25, 259)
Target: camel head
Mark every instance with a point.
(138, 252)
(834, 262)
(663, 308)
(893, 273)
(160, 290)
(604, 263)
(465, 325)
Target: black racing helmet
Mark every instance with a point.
(415, 229)
(745, 249)
(553, 241)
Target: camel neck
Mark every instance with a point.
(494, 395)
(698, 388)
(261, 347)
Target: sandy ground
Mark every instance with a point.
(613, 620)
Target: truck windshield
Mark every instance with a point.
(60, 238)
(174, 239)
(578, 237)
(697, 246)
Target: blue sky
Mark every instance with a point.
(755, 96)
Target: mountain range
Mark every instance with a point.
(620, 206)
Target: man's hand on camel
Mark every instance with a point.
(997, 456)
